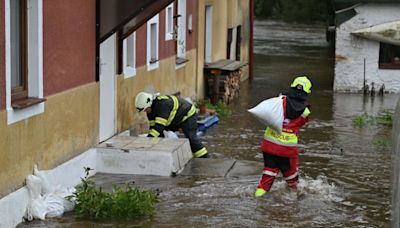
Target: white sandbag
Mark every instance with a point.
(170, 135)
(270, 113)
(54, 205)
(36, 208)
(68, 204)
(46, 199)
(46, 186)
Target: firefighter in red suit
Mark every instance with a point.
(280, 150)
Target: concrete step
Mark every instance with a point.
(143, 155)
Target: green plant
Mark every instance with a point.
(362, 120)
(386, 118)
(122, 202)
(381, 143)
(220, 107)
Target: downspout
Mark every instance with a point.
(251, 51)
(97, 41)
(197, 11)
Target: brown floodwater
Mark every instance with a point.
(344, 170)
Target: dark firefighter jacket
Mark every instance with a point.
(168, 112)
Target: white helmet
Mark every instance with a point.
(143, 100)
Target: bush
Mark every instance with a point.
(220, 107)
(122, 202)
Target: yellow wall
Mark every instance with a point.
(68, 126)
(165, 79)
(226, 14)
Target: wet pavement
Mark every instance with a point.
(344, 170)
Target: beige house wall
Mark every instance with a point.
(226, 14)
(166, 80)
(68, 126)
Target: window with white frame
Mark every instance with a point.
(152, 43)
(129, 56)
(169, 22)
(181, 34)
(24, 59)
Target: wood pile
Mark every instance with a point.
(228, 86)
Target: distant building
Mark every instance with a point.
(367, 47)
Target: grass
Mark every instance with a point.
(385, 118)
(123, 202)
(381, 143)
(363, 120)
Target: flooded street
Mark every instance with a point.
(344, 170)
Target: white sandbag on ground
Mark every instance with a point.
(270, 113)
(47, 200)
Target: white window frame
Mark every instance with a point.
(169, 22)
(181, 36)
(154, 20)
(129, 42)
(35, 60)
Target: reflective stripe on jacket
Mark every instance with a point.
(284, 144)
(168, 112)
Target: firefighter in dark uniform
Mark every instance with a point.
(171, 113)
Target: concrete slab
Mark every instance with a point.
(208, 167)
(143, 156)
(117, 142)
(245, 168)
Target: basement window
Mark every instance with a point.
(389, 56)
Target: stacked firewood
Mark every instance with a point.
(228, 86)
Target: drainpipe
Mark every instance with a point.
(251, 51)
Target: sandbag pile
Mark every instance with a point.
(46, 200)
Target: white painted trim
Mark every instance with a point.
(181, 36)
(152, 66)
(129, 71)
(208, 34)
(169, 18)
(179, 66)
(35, 60)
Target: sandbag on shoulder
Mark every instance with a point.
(270, 113)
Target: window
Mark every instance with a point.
(238, 41)
(129, 56)
(181, 34)
(231, 44)
(18, 22)
(389, 56)
(152, 43)
(24, 59)
(169, 22)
